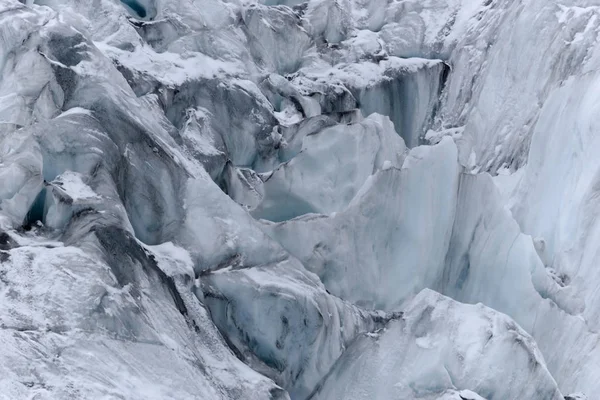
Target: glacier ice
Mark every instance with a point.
(406, 90)
(78, 322)
(329, 170)
(293, 330)
(437, 347)
(370, 252)
(287, 199)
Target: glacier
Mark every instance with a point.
(439, 345)
(299, 199)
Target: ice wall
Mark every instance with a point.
(370, 252)
(437, 347)
(244, 183)
(283, 323)
(405, 90)
(136, 7)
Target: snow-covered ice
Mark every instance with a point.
(288, 199)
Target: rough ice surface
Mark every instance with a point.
(330, 169)
(293, 330)
(437, 347)
(370, 253)
(289, 199)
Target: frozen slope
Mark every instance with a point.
(80, 322)
(370, 252)
(257, 200)
(440, 346)
(87, 311)
(292, 330)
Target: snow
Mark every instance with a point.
(172, 259)
(271, 199)
(365, 74)
(75, 110)
(55, 336)
(169, 68)
(73, 184)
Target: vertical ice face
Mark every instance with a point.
(144, 9)
(283, 323)
(370, 253)
(329, 170)
(496, 91)
(410, 100)
(566, 192)
(405, 90)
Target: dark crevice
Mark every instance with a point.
(144, 11)
(36, 212)
(6, 242)
(443, 81)
(122, 251)
(136, 7)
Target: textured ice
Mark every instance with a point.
(438, 348)
(77, 323)
(371, 253)
(330, 169)
(268, 200)
(292, 330)
(406, 90)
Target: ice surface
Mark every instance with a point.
(406, 90)
(239, 199)
(438, 348)
(78, 324)
(292, 330)
(330, 169)
(370, 253)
